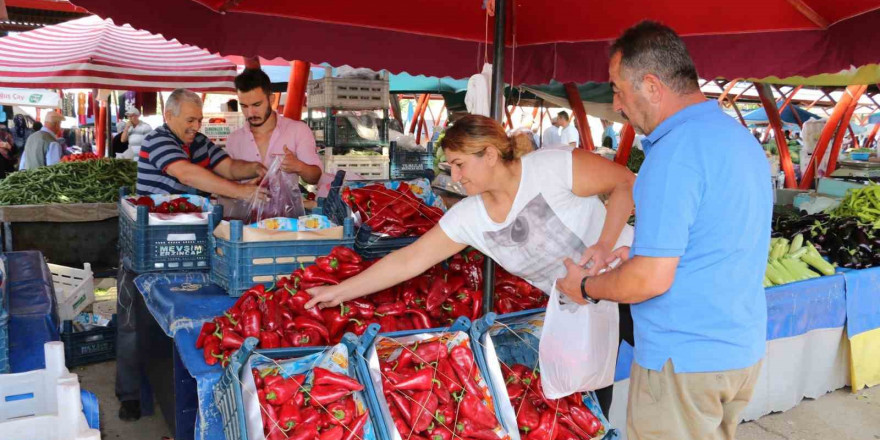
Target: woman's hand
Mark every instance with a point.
(325, 297)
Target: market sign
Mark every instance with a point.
(30, 97)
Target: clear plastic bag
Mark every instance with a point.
(285, 199)
(578, 348)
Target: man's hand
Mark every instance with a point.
(247, 191)
(595, 258)
(258, 170)
(291, 163)
(571, 284)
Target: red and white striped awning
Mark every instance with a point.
(94, 53)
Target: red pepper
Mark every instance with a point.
(393, 309)
(327, 377)
(447, 375)
(505, 305)
(524, 374)
(271, 315)
(393, 230)
(258, 380)
(340, 412)
(305, 431)
(431, 352)
(357, 428)
(212, 351)
(337, 318)
(472, 408)
(527, 416)
(468, 429)
(310, 416)
(327, 264)
(363, 308)
(585, 420)
(563, 433)
(305, 323)
(405, 209)
(296, 301)
(440, 433)
(420, 381)
(389, 324)
(442, 392)
(438, 294)
(250, 323)
(423, 406)
(348, 270)
(278, 393)
(445, 416)
(546, 430)
(420, 319)
(515, 390)
(323, 395)
(334, 433)
(271, 424)
(270, 340)
(346, 255)
(303, 338)
(358, 327)
(229, 340)
(462, 361)
(208, 330)
(402, 404)
(289, 416)
(315, 274)
(476, 303)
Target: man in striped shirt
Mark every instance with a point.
(175, 157)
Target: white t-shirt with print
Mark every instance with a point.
(546, 224)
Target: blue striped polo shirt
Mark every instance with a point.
(160, 149)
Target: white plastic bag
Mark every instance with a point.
(285, 199)
(578, 349)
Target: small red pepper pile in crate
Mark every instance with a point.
(541, 418)
(180, 205)
(397, 213)
(80, 157)
(512, 293)
(324, 409)
(433, 393)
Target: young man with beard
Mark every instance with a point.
(268, 135)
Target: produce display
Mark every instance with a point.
(844, 241)
(862, 204)
(80, 157)
(434, 390)
(277, 317)
(541, 418)
(396, 213)
(92, 181)
(791, 261)
(319, 405)
(179, 205)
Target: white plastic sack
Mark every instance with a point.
(578, 349)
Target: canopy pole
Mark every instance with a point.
(496, 113)
(419, 107)
(252, 63)
(100, 122)
(853, 134)
(870, 141)
(769, 104)
(422, 125)
(627, 136)
(831, 127)
(844, 125)
(395, 108)
(296, 90)
(580, 115)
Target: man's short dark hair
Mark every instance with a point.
(650, 47)
(251, 79)
(562, 115)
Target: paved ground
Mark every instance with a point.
(840, 415)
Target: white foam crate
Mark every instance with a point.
(218, 132)
(44, 404)
(348, 93)
(74, 289)
(374, 167)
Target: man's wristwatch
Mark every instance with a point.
(584, 294)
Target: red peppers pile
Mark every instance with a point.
(177, 206)
(540, 418)
(432, 393)
(323, 409)
(397, 213)
(80, 157)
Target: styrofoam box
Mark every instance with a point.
(44, 404)
(74, 289)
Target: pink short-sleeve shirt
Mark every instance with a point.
(293, 135)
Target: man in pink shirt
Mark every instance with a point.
(269, 135)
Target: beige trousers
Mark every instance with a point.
(664, 405)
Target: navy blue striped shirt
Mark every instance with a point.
(160, 149)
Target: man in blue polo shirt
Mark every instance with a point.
(703, 211)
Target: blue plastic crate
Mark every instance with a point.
(4, 318)
(369, 338)
(161, 248)
(90, 346)
(228, 393)
(410, 164)
(520, 348)
(368, 245)
(237, 265)
(859, 156)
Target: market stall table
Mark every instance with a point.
(863, 325)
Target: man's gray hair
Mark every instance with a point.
(650, 47)
(177, 97)
(54, 118)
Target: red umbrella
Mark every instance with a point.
(565, 40)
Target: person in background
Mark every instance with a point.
(568, 135)
(134, 132)
(550, 137)
(7, 152)
(42, 147)
(609, 137)
(37, 126)
(268, 135)
(695, 274)
(174, 159)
